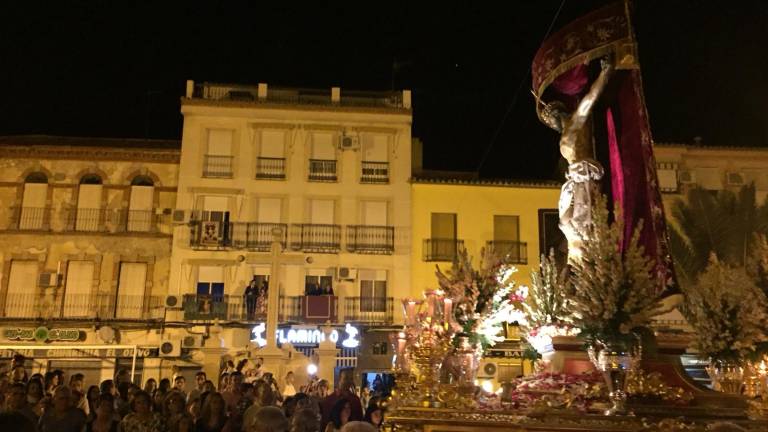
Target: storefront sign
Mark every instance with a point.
(79, 353)
(307, 336)
(42, 334)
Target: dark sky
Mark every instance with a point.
(96, 69)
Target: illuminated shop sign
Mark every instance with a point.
(42, 334)
(308, 336)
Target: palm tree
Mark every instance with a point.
(727, 224)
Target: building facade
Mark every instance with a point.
(85, 250)
(324, 174)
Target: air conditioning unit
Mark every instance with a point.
(192, 341)
(346, 273)
(170, 349)
(48, 279)
(686, 177)
(735, 179)
(181, 217)
(488, 370)
(349, 142)
(173, 302)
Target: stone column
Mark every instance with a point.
(327, 353)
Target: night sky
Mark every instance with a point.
(94, 69)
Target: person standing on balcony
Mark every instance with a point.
(261, 302)
(251, 294)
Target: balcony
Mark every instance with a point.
(217, 166)
(205, 307)
(515, 251)
(92, 220)
(297, 96)
(369, 310)
(209, 234)
(139, 220)
(270, 168)
(256, 236)
(290, 309)
(375, 172)
(441, 249)
(30, 218)
(367, 239)
(105, 307)
(317, 238)
(323, 170)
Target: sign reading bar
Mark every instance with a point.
(42, 334)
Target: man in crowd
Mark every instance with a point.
(179, 384)
(200, 379)
(16, 401)
(345, 390)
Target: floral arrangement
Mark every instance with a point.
(728, 312)
(546, 309)
(611, 293)
(550, 390)
(484, 298)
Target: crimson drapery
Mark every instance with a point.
(563, 70)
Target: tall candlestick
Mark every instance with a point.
(410, 312)
(447, 310)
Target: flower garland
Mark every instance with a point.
(484, 298)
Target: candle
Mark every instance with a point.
(430, 303)
(447, 310)
(410, 312)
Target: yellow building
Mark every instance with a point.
(516, 218)
(85, 249)
(328, 171)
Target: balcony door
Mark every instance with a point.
(218, 157)
(78, 289)
(322, 212)
(140, 208)
(374, 213)
(373, 291)
(506, 236)
(130, 290)
(271, 160)
(33, 201)
(443, 240)
(20, 300)
(88, 216)
(322, 164)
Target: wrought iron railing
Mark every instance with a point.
(270, 168)
(56, 303)
(236, 235)
(299, 96)
(217, 166)
(515, 251)
(374, 172)
(441, 249)
(139, 220)
(322, 170)
(207, 307)
(30, 218)
(318, 238)
(92, 219)
(290, 309)
(371, 239)
(370, 310)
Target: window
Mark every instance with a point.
(506, 228)
(318, 285)
(33, 201)
(270, 164)
(551, 237)
(218, 157)
(373, 213)
(322, 163)
(20, 299)
(322, 211)
(375, 162)
(89, 214)
(210, 288)
(130, 290)
(373, 291)
(78, 289)
(269, 210)
(444, 226)
(141, 204)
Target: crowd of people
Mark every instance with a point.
(247, 402)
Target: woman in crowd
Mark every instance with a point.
(176, 417)
(62, 416)
(150, 386)
(142, 418)
(374, 415)
(34, 391)
(104, 419)
(340, 414)
(51, 382)
(213, 417)
(92, 397)
(289, 389)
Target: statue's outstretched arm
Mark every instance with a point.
(584, 109)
